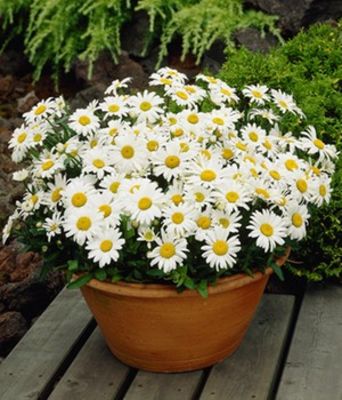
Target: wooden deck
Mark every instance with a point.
(292, 351)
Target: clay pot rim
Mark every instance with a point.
(158, 290)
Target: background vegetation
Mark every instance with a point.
(310, 67)
(59, 31)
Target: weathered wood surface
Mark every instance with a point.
(313, 369)
(250, 372)
(94, 374)
(153, 386)
(37, 357)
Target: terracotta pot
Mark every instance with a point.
(152, 327)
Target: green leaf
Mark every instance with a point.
(202, 288)
(101, 274)
(72, 265)
(116, 278)
(277, 270)
(189, 283)
(81, 281)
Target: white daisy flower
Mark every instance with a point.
(129, 154)
(254, 135)
(144, 205)
(232, 195)
(175, 193)
(53, 195)
(229, 221)
(48, 165)
(82, 224)
(296, 218)
(114, 106)
(268, 228)
(198, 195)
(98, 161)
(222, 93)
(7, 230)
(205, 223)
(78, 192)
(192, 121)
(84, 122)
(257, 93)
(113, 129)
(146, 234)
(208, 173)
(21, 175)
(112, 182)
(284, 102)
(104, 247)
(321, 191)
(105, 204)
(264, 113)
(43, 109)
(313, 145)
(53, 225)
(146, 106)
(169, 161)
(179, 220)
(223, 119)
(169, 252)
(182, 97)
(19, 143)
(116, 85)
(220, 251)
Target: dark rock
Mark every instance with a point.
(2, 307)
(105, 71)
(294, 14)
(252, 39)
(13, 326)
(134, 34)
(13, 62)
(27, 102)
(21, 286)
(6, 85)
(214, 57)
(85, 96)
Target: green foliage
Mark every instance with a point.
(59, 31)
(310, 67)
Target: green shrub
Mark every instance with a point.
(310, 67)
(59, 31)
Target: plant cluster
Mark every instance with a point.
(60, 31)
(310, 67)
(184, 183)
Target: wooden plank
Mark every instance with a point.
(250, 372)
(95, 373)
(34, 361)
(154, 386)
(314, 364)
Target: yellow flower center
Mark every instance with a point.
(98, 163)
(226, 92)
(241, 146)
(266, 230)
(283, 104)
(177, 199)
(177, 218)
(199, 197)
(275, 174)
(113, 108)
(172, 120)
(301, 185)
(47, 165)
(127, 152)
(83, 223)
(297, 220)
(267, 144)
(211, 79)
(322, 190)
(206, 153)
(227, 154)
(84, 120)
(203, 222)
(316, 170)
(257, 94)
(232, 197)
(262, 192)
(190, 89)
(56, 195)
(152, 145)
(184, 147)
(79, 199)
(165, 81)
(319, 144)
(34, 198)
(22, 137)
(224, 222)
(291, 165)
(178, 132)
(106, 210)
(40, 109)
(167, 250)
(220, 247)
(193, 119)
(106, 245)
(93, 143)
(182, 95)
(148, 235)
(145, 106)
(253, 136)
(113, 132)
(37, 137)
(114, 187)
(133, 188)
(145, 203)
(208, 175)
(218, 121)
(172, 161)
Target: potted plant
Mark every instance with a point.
(169, 208)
